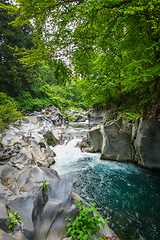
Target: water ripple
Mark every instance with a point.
(128, 195)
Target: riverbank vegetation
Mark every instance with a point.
(81, 53)
(87, 223)
(8, 110)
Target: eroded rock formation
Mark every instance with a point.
(122, 140)
(29, 143)
(25, 156)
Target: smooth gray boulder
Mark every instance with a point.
(117, 142)
(38, 208)
(96, 138)
(26, 143)
(113, 140)
(42, 211)
(86, 144)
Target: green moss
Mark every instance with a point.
(44, 186)
(33, 157)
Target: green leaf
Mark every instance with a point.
(69, 224)
(103, 225)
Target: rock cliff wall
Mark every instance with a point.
(122, 140)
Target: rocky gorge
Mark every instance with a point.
(122, 140)
(26, 153)
(25, 157)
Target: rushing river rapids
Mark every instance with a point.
(127, 194)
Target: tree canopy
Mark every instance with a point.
(113, 45)
(28, 88)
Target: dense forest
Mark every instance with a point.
(79, 53)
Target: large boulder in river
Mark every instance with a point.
(96, 139)
(117, 142)
(86, 144)
(47, 117)
(113, 140)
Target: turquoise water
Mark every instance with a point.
(127, 194)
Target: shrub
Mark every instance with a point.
(8, 110)
(13, 220)
(44, 185)
(85, 223)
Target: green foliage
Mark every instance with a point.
(12, 74)
(44, 186)
(114, 49)
(131, 113)
(35, 87)
(108, 119)
(8, 110)
(70, 119)
(130, 116)
(13, 220)
(85, 223)
(46, 95)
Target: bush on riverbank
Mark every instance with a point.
(8, 110)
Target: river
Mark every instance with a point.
(128, 195)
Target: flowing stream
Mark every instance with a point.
(125, 193)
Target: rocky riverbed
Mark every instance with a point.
(25, 157)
